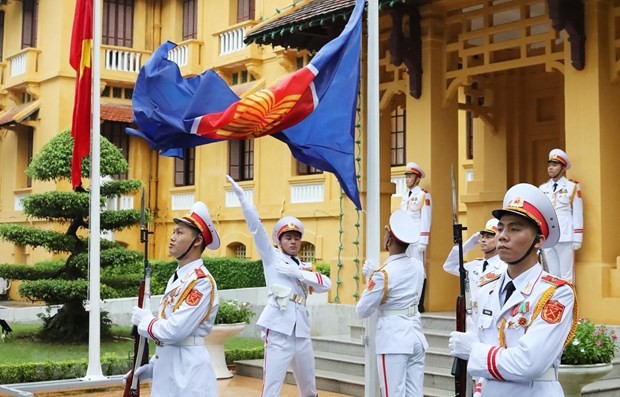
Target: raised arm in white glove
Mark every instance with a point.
(368, 267)
(236, 188)
(460, 343)
(471, 242)
(289, 270)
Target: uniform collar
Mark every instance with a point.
(182, 272)
(524, 285)
(393, 258)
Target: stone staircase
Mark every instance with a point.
(340, 362)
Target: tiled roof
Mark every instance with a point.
(116, 112)
(19, 113)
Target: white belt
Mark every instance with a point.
(409, 312)
(189, 341)
(549, 375)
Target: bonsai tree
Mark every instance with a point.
(64, 281)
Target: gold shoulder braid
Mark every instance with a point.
(385, 286)
(212, 297)
(545, 297)
(184, 295)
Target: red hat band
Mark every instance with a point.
(289, 227)
(559, 159)
(518, 204)
(196, 220)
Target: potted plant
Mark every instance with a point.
(587, 357)
(232, 317)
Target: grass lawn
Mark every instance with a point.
(24, 348)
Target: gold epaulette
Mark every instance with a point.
(574, 181)
(554, 280)
(487, 278)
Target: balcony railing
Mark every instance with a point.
(187, 55)
(231, 40)
(23, 67)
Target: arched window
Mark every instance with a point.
(307, 252)
(238, 250)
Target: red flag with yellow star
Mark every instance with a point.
(80, 58)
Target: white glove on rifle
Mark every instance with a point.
(421, 248)
(471, 242)
(576, 246)
(289, 270)
(138, 314)
(368, 267)
(143, 373)
(236, 188)
(461, 343)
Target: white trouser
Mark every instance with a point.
(402, 375)
(561, 260)
(281, 351)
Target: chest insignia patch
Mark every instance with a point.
(487, 278)
(193, 298)
(371, 285)
(552, 312)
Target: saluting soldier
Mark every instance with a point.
(394, 291)
(285, 321)
(181, 365)
(565, 195)
(479, 267)
(417, 203)
(524, 316)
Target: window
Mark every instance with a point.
(29, 23)
(245, 10)
(469, 131)
(305, 169)
(189, 19)
(239, 251)
(118, 23)
(29, 152)
(397, 136)
(306, 252)
(241, 159)
(1, 33)
(184, 168)
(115, 133)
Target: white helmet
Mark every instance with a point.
(286, 224)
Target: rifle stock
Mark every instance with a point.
(140, 344)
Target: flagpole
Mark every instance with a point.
(372, 192)
(94, 371)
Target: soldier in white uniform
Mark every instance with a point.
(285, 321)
(394, 291)
(565, 195)
(417, 203)
(524, 316)
(181, 365)
(479, 267)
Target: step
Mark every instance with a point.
(437, 338)
(439, 321)
(339, 363)
(603, 388)
(349, 385)
(342, 344)
(438, 378)
(438, 358)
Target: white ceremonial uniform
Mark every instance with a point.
(521, 341)
(182, 365)
(394, 291)
(285, 321)
(474, 269)
(417, 202)
(568, 205)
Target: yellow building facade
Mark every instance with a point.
(487, 86)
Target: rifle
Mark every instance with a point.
(140, 344)
(459, 366)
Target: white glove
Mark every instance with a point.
(460, 343)
(143, 373)
(368, 267)
(236, 188)
(138, 314)
(576, 246)
(421, 248)
(289, 270)
(471, 242)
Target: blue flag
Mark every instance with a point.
(312, 110)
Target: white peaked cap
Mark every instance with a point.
(403, 228)
(286, 224)
(529, 201)
(559, 156)
(491, 226)
(199, 218)
(413, 168)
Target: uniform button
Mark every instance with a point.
(156, 357)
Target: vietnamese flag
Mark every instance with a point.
(80, 58)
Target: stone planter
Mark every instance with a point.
(573, 378)
(215, 345)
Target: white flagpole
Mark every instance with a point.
(94, 371)
(372, 194)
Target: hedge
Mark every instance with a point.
(111, 364)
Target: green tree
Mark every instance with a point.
(65, 281)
